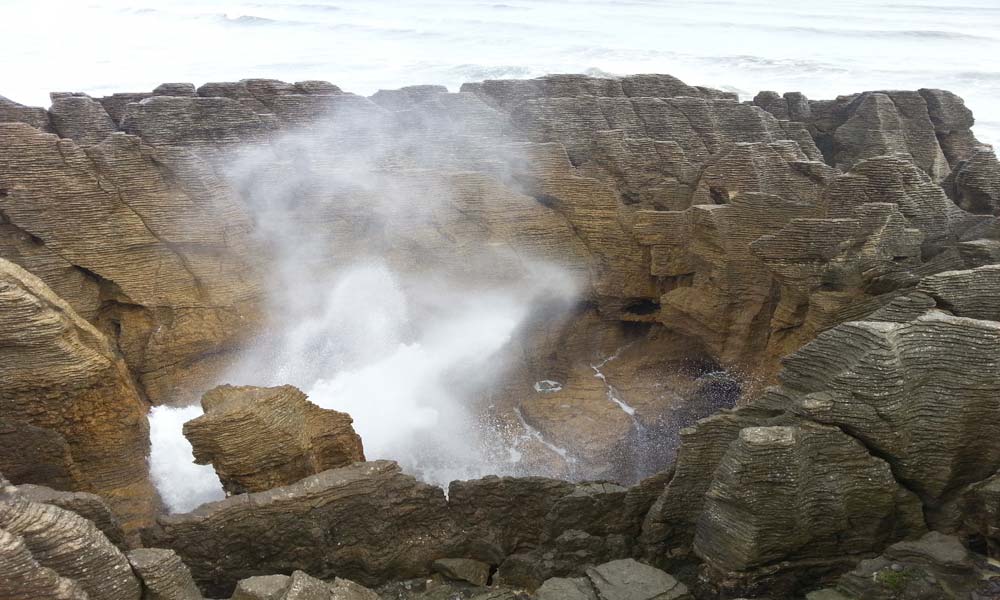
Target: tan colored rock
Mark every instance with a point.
(262, 438)
(60, 374)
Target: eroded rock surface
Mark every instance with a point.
(261, 438)
(62, 376)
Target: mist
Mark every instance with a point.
(372, 308)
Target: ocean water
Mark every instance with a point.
(820, 48)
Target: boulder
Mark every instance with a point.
(628, 579)
(980, 506)
(463, 569)
(81, 119)
(917, 393)
(560, 588)
(261, 438)
(261, 587)
(67, 546)
(163, 575)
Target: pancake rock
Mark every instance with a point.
(805, 499)
(61, 375)
(163, 575)
(367, 522)
(262, 438)
(62, 547)
(935, 566)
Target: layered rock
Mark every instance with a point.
(368, 522)
(163, 575)
(806, 499)
(262, 438)
(62, 376)
(47, 548)
(918, 393)
(624, 579)
(935, 566)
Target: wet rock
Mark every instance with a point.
(163, 575)
(261, 438)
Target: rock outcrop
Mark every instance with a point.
(45, 547)
(62, 377)
(368, 522)
(163, 575)
(832, 263)
(262, 438)
(935, 566)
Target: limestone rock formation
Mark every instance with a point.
(89, 506)
(935, 566)
(57, 549)
(624, 579)
(261, 438)
(799, 498)
(163, 575)
(463, 569)
(980, 506)
(918, 393)
(24, 577)
(367, 522)
(61, 375)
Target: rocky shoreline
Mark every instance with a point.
(779, 376)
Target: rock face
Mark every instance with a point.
(935, 566)
(367, 522)
(62, 377)
(262, 438)
(88, 506)
(832, 263)
(798, 494)
(53, 549)
(163, 575)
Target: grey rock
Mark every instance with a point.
(261, 587)
(163, 575)
(463, 569)
(559, 588)
(628, 579)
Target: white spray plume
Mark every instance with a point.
(182, 484)
(369, 313)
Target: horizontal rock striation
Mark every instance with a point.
(262, 438)
(63, 379)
